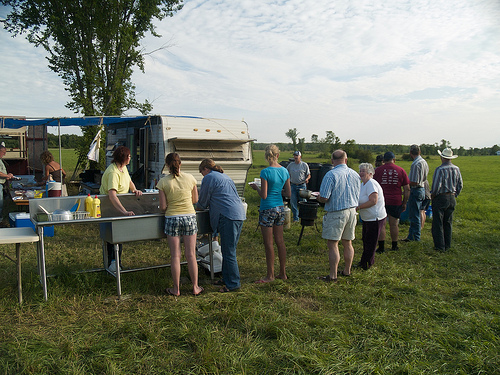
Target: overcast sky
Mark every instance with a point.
(376, 71)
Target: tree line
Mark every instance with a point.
(366, 152)
(67, 141)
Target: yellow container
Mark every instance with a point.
(89, 202)
(96, 207)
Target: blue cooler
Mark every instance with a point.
(22, 220)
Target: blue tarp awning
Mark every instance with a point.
(16, 123)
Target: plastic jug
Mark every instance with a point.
(96, 207)
(89, 202)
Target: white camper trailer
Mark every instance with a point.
(193, 138)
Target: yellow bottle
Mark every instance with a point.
(96, 207)
(89, 202)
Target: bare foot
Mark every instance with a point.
(171, 292)
(282, 277)
(198, 290)
(264, 280)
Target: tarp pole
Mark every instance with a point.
(59, 134)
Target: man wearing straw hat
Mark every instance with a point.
(446, 185)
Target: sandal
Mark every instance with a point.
(171, 293)
(219, 282)
(341, 273)
(327, 279)
(224, 289)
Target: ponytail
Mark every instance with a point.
(173, 161)
(210, 164)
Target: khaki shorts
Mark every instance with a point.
(340, 225)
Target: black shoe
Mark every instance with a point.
(395, 248)
(406, 240)
(379, 250)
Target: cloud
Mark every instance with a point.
(393, 71)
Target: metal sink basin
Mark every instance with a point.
(145, 227)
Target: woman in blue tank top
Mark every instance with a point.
(274, 179)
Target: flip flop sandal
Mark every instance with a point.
(224, 289)
(170, 293)
(219, 282)
(327, 279)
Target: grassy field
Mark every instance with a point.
(415, 312)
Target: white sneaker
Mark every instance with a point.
(112, 266)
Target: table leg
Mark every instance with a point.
(118, 277)
(19, 283)
(41, 263)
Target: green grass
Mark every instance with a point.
(69, 159)
(416, 312)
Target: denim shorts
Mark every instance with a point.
(176, 226)
(272, 216)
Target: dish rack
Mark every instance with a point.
(80, 215)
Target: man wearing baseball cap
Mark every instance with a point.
(446, 185)
(299, 177)
(395, 184)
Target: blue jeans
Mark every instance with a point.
(417, 196)
(230, 231)
(1, 202)
(442, 218)
(295, 198)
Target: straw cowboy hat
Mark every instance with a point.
(447, 153)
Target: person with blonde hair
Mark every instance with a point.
(178, 194)
(274, 179)
(218, 193)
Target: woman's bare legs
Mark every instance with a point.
(280, 244)
(190, 252)
(174, 243)
(267, 235)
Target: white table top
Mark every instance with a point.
(17, 235)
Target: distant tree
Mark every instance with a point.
(461, 151)
(364, 156)
(444, 144)
(494, 150)
(301, 144)
(293, 134)
(351, 148)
